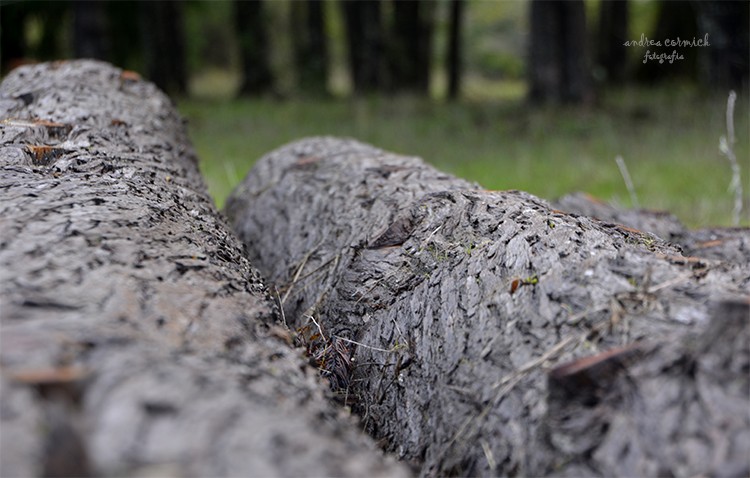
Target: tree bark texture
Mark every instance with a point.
(720, 244)
(494, 335)
(136, 337)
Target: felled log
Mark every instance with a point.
(731, 245)
(477, 319)
(136, 337)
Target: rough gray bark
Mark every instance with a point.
(722, 244)
(656, 408)
(136, 338)
(465, 303)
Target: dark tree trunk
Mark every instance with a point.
(310, 46)
(90, 30)
(364, 32)
(12, 35)
(465, 309)
(164, 44)
(126, 45)
(611, 52)
(14, 48)
(726, 63)
(454, 60)
(410, 46)
(136, 339)
(558, 63)
(50, 15)
(250, 21)
(676, 18)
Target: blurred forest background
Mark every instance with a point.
(515, 94)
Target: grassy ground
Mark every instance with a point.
(668, 138)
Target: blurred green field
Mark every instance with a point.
(668, 138)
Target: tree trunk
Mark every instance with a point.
(126, 47)
(726, 62)
(13, 47)
(136, 337)
(51, 41)
(611, 52)
(465, 310)
(364, 33)
(410, 48)
(250, 22)
(164, 45)
(90, 30)
(310, 46)
(676, 19)
(454, 60)
(558, 65)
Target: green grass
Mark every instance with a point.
(668, 138)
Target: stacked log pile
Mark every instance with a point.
(494, 335)
(136, 337)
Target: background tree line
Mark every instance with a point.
(570, 48)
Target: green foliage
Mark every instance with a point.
(496, 35)
(492, 64)
(668, 137)
(210, 35)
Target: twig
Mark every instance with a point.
(281, 307)
(628, 181)
(296, 275)
(317, 325)
(534, 363)
(310, 310)
(670, 283)
(509, 382)
(488, 454)
(432, 234)
(363, 345)
(725, 146)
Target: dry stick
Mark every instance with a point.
(311, 310)
(296, 275)
(301, 266)
(512, 379)
(509, 381)
(628, 182)
(725, 146)
(370, 347)
(281, 307)
(320, 329)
